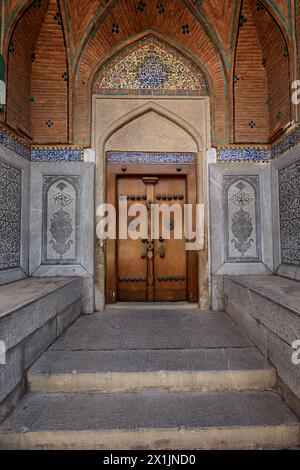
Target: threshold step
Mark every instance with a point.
(178, 370)
(153, 306)
(151, 420)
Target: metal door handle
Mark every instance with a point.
(161, 251)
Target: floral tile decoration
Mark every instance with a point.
(150, 68)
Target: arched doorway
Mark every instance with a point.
(151, 145)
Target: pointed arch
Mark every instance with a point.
(102, 182)
(30, 47)
(19, 47)
(174, 74)
(260, 111)
(151, 106)
(83, 103)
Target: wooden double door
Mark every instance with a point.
(153, 265)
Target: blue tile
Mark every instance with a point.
(150, 158)
(14, 144)
(56, 155)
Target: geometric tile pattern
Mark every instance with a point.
(150, 158)
(10, 215)
(289, 203)
(150, 67)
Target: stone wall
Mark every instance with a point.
(14, 215)
(61, 236)
(44, 308)
(240, 223)
(268, 310)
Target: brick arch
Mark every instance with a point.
(20, 43)
(89, 40)
(262, 76)
(99, 12)
(88, 67)
(35, 71)
(13, 13)
(276, 9)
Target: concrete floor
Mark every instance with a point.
(134, 340)
(155, 378)
(125, 329)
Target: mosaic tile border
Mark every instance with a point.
(151, 158)
(243, 154)
(39, 154)
(56, 154)
(9, 140)
(261, 154)
(287, 143)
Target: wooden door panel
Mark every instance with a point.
(170, 255)
(131, 267)
(169, 273)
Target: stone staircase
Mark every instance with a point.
(151, 379)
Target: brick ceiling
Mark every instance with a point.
(211, 33)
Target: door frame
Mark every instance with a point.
(105, 124)
(116, 170)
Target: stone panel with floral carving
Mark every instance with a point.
(61, 219)
(242, 219)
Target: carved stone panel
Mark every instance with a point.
(61, 213)
(242, 219)
(289, 203)
(10, 215)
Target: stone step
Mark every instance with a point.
(34, 312)
(269, 315)
(151, 420)
(153, 306)
(178, 370)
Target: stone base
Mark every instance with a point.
(268, 309)
(33, 314)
